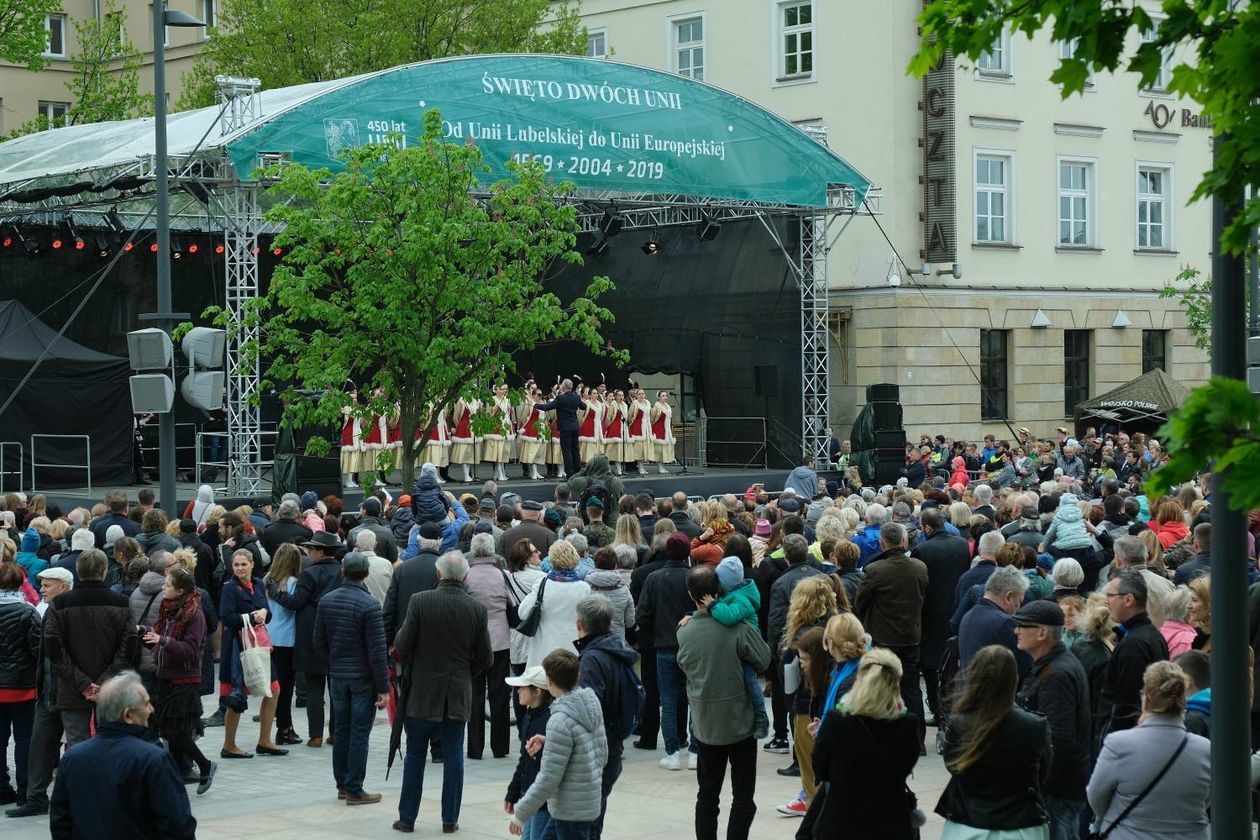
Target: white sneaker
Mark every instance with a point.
(693, 761)
(642, 471)
(349, 483)
(661, 469)
(671, 762)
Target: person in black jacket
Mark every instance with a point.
(19, 655)
(665, 601)
(244, 599)
(947, 558)
(350, 634)
(322, 576)
(116, 501)
(998, 755)
(604, 663)
(650, 721)
(862, 755)
(1058, 689)
(122, 785)
(418, 574)
(532, 694)
(1140, 644)
(566, 406)
(203, 572)
(285, 529)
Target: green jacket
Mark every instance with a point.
(740, 604)
(712, 658)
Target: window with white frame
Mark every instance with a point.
(210, 13)
(1067, 49)
(1076, 203)
(993, 193)
(55, 28)
(996, 61)
(1164, 76)
(688, 48)
(54, 112)
(796, 39)
(1154, 228)
(596, 43)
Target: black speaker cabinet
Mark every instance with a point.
(883, 392)
(887, 415)
(888, 468)
(323, 475)
(891, 439)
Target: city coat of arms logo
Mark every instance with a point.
(340, 135)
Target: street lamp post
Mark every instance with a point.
(164, 317)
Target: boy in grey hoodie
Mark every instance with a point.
(569, 780)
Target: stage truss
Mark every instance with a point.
(216, 201)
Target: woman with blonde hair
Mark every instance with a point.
(1154, 780)
(1179, 634)
(1199, 612)
(1154, 551)
(960, 516)
(998, 756)
(812, 605)
(845, 641)
(1094, 649)
(560, 590)
(282, 629)
(863, 753)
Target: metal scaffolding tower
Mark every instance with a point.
(240, 262)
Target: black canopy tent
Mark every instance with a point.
(1142, 404)
(70, 376)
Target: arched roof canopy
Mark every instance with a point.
(610, 128)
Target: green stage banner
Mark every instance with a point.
(606, 126)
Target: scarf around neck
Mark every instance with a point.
(173, 616)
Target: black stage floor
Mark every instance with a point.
(705, 482)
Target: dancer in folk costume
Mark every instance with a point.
(614, 429)
(393, 435)
(351, 441)
(496, 447)
(375, 440)
(463, 444)
(662, 431)
(638, 443)
(590, 434)
(533, 449)
(437, 451)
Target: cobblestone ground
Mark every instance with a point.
(294, 797)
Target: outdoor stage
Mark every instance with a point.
(696, 483)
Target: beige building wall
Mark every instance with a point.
(22, 91)
(925, 334)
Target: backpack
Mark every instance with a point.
(597, 489)
(630, 700)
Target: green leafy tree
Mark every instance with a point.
(1222, 36)
(1193, 290)
(23, 37)
(291, 42)
(405, 276)
(105, 84)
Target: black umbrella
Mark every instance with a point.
(402, 687)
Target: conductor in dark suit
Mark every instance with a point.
(443, 642)
(566, 406)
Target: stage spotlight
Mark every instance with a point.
(611, 223)
(177, 248)
(153, 248)
(653, 246)
(115, 222)
(277, 251)
(103, 246)
(192, 248)
(71, 234)
(6, 236)
(56, 242)
(219, 248)
(708, 229)
(30, 245)
(599, 246)
(128, 246)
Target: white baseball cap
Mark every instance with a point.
(534, 676)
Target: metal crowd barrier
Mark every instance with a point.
(86, 467)
(21, 466)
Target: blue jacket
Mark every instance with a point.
(350, 632)
(988, 624)
(119, 785)
(867, 540)
(428, 502)
(450, 535)
(234, 601)
(600, 668)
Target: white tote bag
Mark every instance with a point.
(255, 660)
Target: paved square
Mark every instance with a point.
(294, 796)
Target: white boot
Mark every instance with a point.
(440, 479)
(467, 475)
(561, 475)
(499, 474)
(642, 469)
(661, 469)
(534, 475)
(347, 481)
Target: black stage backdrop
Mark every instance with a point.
(726, 311)
(74, 391)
